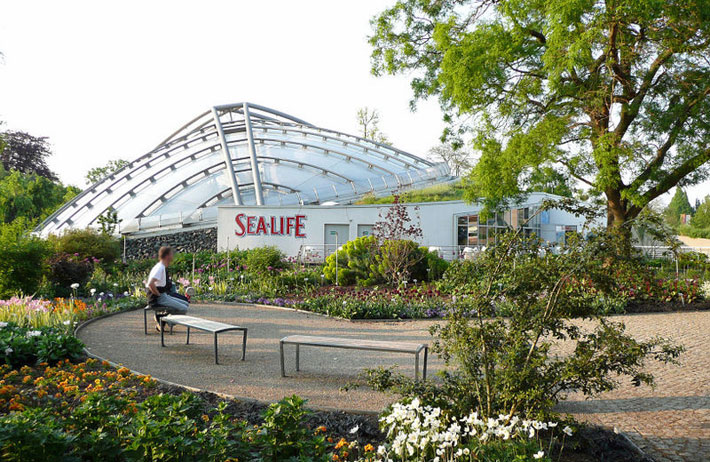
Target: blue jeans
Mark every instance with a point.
(173, 304)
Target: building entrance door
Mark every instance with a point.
(335, 236)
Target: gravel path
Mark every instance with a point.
(670, 422)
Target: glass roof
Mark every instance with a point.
(273, 159)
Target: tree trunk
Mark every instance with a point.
(618, 216)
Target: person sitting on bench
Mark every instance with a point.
(160, 289)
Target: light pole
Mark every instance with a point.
(336, 258)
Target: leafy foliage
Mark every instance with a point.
(499, 365)
(30, 196)
(23, 259)
(88, 244)
(21, 346)
(614, 94)
(679, 205)
(97, 174)
(354, 262)
(26, 154)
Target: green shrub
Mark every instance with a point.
(263, 259)
(20, 346)
(695, 232)
(34, 435)
(89, 243)
(504, 365)
(65, 270)
(354, 263)
(22, 260)
(284, 435)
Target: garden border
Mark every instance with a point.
(358, 320)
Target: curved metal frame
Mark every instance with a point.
(254, 126)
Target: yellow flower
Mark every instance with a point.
(369, 448)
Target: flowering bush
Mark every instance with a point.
(424, 433)
(705, 290)
(20, 345)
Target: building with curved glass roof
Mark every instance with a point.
(243, 154)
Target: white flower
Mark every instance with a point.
(101, 294)
(125, 294)
(539, 455)
(8, 350)
(75, 286)
(354, 429)
(567, 431)
(93, 291)
(115, 284)
(3, 324)
(67, 322)
(33, 333)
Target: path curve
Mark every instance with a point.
(670, 422)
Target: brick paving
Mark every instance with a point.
(670, 422)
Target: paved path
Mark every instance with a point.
(670, 422)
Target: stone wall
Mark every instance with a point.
(184, 241)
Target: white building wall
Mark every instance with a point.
(437, 220)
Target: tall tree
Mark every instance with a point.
(30, 197)
(614, 92)
(97, 174)
(458, 159)
(679, 205)
(369, 122)
(26, 153)
(701, 219)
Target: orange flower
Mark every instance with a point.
(335, 457)
(321, 429)
(341, 443)
(369, 448)
(16, 406)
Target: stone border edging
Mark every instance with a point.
(204, 390)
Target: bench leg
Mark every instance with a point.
(145, 321)
(188, 336)
(298, 357)
(416, 366)
(281, 348)
(162, 333)
(215, 348)
(426, 357)
(244, 345)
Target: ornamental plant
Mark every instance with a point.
(504, 365)
(21, 346)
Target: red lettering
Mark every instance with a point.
(289, 224)
(250, 224)
(261, 226)
(282, 231)
(300, 225)
(240, 225)
(273, 226)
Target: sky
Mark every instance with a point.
(108, 80)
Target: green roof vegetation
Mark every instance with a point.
(436, 193)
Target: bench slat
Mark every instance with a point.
(375, 345)
(198, 323)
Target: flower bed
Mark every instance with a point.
(92, 411)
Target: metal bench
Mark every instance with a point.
(159, 310)
(205, 325)
(355, 344)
